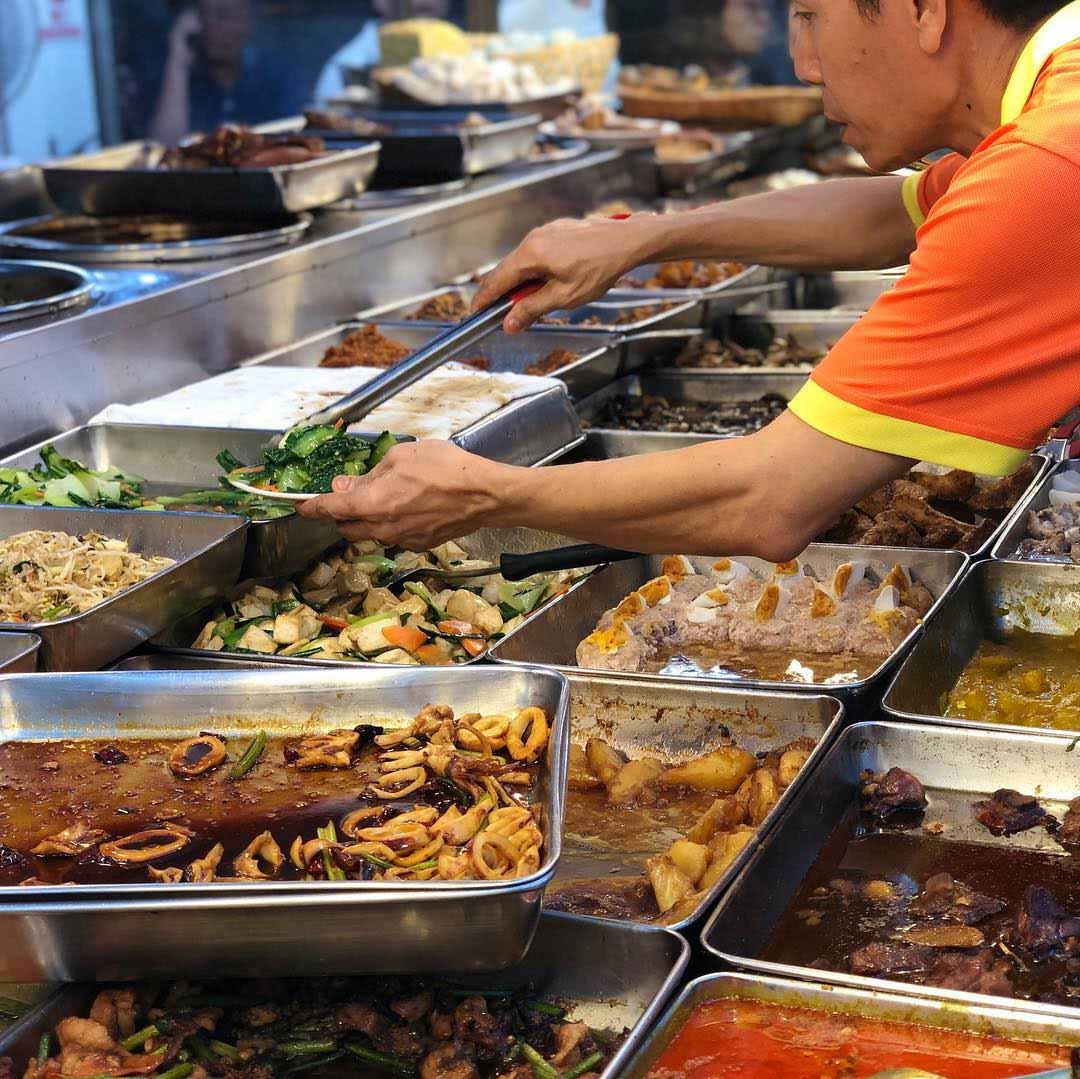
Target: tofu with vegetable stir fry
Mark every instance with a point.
(341, 609)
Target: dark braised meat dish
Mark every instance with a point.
(445, 307)
(892, 793)
(555, 360)
(1007, 812)
(957, 510)
(369, 347)
(233, 147)
(342, 1026)
(781, 352)
(726, 418)
(444, 798)
(684, 274)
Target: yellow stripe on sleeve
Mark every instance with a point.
(840, 419)
(911, 199)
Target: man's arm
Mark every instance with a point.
(768, 494)
(172, 113)
(839, 224)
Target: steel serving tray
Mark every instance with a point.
(177, 459)
(50, 236)
(431, 146)
(207, 550)
(197, 930)
(551, 637)
(487, 543)
(992, 598)
(955, 766)
(623, 978)
(18, 653)
(854, 290)
(1015, 528)
(675, 721)
(716, 300)
(709, 169)
(599, 363)
(999, 1021)
(127, 180)
(31, 289)
(808, 328)
(683, 315)
(605, 444)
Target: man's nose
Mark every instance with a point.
(804, 55)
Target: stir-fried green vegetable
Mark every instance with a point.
(60, 481)
(309, 459)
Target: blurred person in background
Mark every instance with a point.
(363, 50)
(215, 74)
(586, 18)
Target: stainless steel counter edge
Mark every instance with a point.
(211, 321)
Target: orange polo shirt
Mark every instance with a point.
(975, 353)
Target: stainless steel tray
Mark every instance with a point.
(716, 300)
(623, 977)
(177, 459)
(683, 316)
(44, 236)
(18, 653)
(126, 180)
(1015, 528)
(605, 444)
(809, 328)
(708, 170)
(853, 290)
(195, 930)
(992, 598)
(551, 637)
(599, 363)
(487, 543)
(955, 766)
(1000, 1021)
(441, 145)
(625, 712)
(34, 289)
(207, 550)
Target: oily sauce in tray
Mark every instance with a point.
(754, 1039)
(767, 665)
(46, 786)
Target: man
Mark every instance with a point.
(967, 362)
(214, 74)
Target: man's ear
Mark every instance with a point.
(931, 18)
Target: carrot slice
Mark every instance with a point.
(458, 628)
(331, 622)
(433, 656)
(408, 637)
(474, 648)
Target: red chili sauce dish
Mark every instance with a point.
(751, 1039)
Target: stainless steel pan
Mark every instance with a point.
(19, 653)
(1015, 529)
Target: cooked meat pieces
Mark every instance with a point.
(322, 120)
(1044, 927)
(1053, 533)
(956, 510)
(684, 274)
(883, 958)
(982, 972)
(659, 414)
(895, 791)
(554, 361)
(781, 352)
(944, 899)
(445, 307)
(1007, 812)
(365, 347)
(1068, 835)
(231, 146)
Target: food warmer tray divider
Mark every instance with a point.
(126, 180)
(622, 977)
(990, 599)
(716, 301)
(685, 315)
(1037, 498)
(672, 720)
(175, 459)
(19, 653)
(121, 931)
(207, 550)
(502, 432)
(427, 146)
(853, 291)
(551, 636)
(487, 543)
(956, 767)
(1000, 1021)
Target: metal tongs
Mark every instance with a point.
(444, 346)
(517, 567)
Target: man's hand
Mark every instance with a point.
(187, 25)
(578, 260)
(420, 495)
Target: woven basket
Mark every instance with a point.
(731, 110)
(586, 61)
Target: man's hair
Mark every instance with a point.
(1019, 15)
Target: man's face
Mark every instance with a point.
(226, 28)
(878, 81)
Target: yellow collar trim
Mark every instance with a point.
(1061, 28)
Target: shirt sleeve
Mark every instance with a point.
(972, 357)
(923, 189)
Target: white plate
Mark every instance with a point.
(280, 496)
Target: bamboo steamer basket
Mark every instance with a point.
(732, 110)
